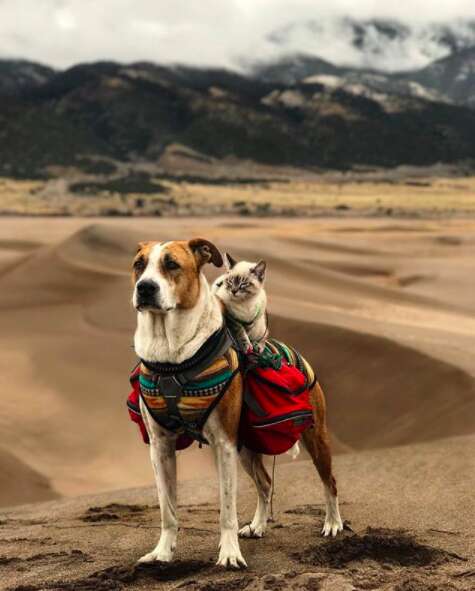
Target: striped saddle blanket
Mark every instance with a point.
(276, 398)
(198, 399)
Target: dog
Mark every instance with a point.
(176, 315)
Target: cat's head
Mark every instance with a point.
(242, 279)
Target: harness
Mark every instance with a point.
(275, 350)
(246, 323)
(180, 397)
(237, 325)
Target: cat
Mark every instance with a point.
(241, 291)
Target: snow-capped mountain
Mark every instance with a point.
(376, 44)
(453, 76)
(378, 59)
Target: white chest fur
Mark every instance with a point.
(174, 336)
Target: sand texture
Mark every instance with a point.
(384, 309)
(408, 528)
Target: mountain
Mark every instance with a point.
(133, 112)
(17, 76)
(292, 69)
(377, 44)
(453, 76)
(369, 83)
(450, 79)
(381, 56)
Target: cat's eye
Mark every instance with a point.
(171, 265)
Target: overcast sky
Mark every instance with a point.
(198, 32)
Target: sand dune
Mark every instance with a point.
(21, 483)
(405, 508)
(394, 355)
(379, 392)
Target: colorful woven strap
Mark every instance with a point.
(275, 352)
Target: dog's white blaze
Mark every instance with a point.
(166, 297)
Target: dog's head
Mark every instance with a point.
(166, 275)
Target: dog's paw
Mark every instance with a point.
(251, 531)
(332, 525)
(231, 560)
(229, 552)
(156, 556)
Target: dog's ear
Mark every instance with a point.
(142, 245)
(205, 252)
(260, 270)
(229, 262)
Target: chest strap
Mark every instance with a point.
(172, 378)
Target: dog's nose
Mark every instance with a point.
(146, 288)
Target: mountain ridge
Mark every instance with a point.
(383, 44)
(336, 118)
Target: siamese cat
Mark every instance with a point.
(241, 290)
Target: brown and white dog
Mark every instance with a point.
(177, 313)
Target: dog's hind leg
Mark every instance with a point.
(254, 466)
(163, 456)
(316, 441)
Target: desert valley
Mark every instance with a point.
(382, 308)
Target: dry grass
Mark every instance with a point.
(426, 196)
(440, 195)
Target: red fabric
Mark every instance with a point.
(135, 417)
(276, 409)
(182, 441)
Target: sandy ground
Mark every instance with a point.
(408, 528)
(384, 309)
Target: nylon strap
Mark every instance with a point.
(172, 384)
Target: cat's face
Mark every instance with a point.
(243, 279)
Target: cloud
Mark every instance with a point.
(207, 32)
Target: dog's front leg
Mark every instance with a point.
(226, 456)
(163, 456)
(229, 551)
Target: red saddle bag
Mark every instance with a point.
(276, 408)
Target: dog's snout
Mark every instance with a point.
(147, 288)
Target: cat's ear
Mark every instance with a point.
(259, 270)
(229, 262)
(205, 252)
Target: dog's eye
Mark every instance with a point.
(139, 265)
(171, 265)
